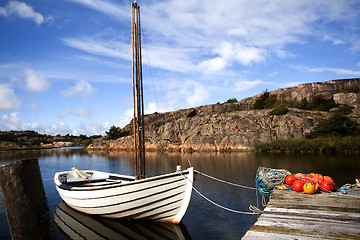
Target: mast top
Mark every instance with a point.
(135, 4)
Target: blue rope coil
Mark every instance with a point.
(267, 179)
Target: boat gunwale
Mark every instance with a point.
(94, 188)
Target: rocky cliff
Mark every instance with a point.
(233, 126)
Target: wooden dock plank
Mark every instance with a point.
(291, 215)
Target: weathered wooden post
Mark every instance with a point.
(26, 205)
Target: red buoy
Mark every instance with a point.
(298, 185)
(327, 185)
(290, 179)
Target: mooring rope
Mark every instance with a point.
(254, 210)
(223, 181)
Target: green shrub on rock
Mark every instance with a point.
(279, 111)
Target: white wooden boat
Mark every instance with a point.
(160, 198)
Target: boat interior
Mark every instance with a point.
(91, 178)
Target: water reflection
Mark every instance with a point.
(202, 220)
(77, 225)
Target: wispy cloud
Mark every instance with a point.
(22, 10)
(35, 81)
(266, 24)
(273, 74)
(191, 39)
(81, 112)
(8, 99)
(340, 71)
(113, 10)
(243, 85)
(109, 48)
(65, 112)
(82, 88)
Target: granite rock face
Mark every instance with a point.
(228, 127)
(343, 91)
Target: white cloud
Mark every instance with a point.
(243, 85)
(356, 45)
(8, 99)
(126, 118)
(228, 54)
(188, 91)
(65, 113)
(153, 107)
(191, 39)
(273, 74)
(106, 7)
(35, 81)
(339, 71)
(91, 128)
(13, 122)
(249, 55)
(213, 65)
(22, 10)
(82, 88)
(81, 112)
(95, 45)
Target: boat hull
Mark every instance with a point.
(161, 198)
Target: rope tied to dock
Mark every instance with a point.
(253, 210)
(223, 181)
(267, 179)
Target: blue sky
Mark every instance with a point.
(65, 66)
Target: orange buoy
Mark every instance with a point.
(313, 177)
(328, 178)
(282, 187)
(298, 175)
(319, 178)
(309, 188)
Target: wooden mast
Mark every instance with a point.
(138, 101)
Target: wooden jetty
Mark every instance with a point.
(292, 215)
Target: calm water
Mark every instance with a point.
(202, 220)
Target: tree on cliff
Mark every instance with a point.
(116, 132)
(266, 100)
(113, 132)
(338, 125)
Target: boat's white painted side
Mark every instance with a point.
(161, 198)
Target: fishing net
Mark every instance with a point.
(267, 179)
